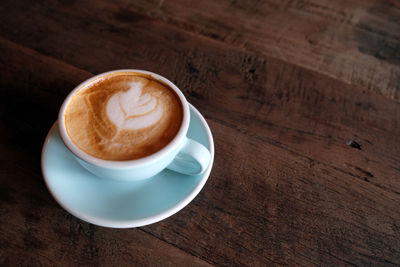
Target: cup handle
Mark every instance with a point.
(192, 159)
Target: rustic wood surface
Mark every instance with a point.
(302, 97)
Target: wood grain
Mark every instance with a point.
(287, 187)
(354, 41)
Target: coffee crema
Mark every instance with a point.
(123, 116)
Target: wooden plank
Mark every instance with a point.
(264, 205)
(35, 230)
(354, 41)
(286, 188)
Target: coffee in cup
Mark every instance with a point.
(123, 116)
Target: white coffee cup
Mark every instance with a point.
(182, 154)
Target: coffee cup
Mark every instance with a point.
(130, 125)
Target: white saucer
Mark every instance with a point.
(118, 204)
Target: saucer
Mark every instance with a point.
(121, 204)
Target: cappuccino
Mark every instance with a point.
(123, 116)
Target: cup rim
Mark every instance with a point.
(115, 164)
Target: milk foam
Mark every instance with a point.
(132, 110)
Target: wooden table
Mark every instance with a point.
(302, 97)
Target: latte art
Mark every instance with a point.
(131, 110)
(123, 116)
